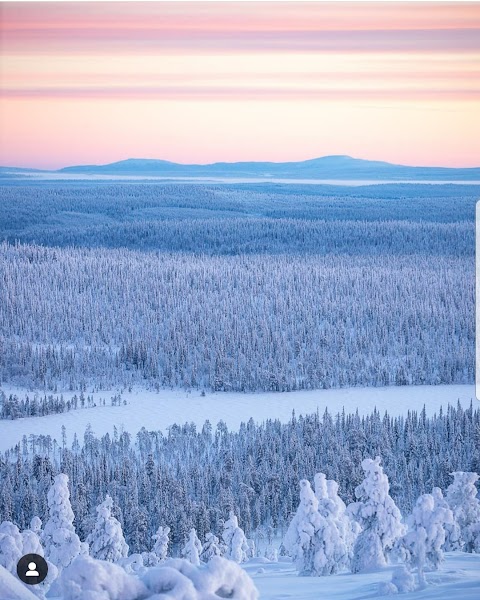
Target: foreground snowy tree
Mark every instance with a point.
(462, 499)
(31, 538)
(379, 517)
(11, 546)
(106, 541)
(453, 540)
(236, 546)
(333, 508)
(211, 547)
(36, 525)
(162, 540)
(425, 536)
(312, 540)
(62, 545)
(193, 548)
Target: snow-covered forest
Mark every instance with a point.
(74, 317)
(246, 289)
(324, 537)
(344, 292)
(237, 289)
(194, 477)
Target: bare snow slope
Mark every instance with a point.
(158, 410)
(11, 588)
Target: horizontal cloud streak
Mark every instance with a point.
(244, 16)
(239, 93)
(387, 77)
(90, 41)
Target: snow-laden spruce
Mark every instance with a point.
(378, 516)
(60, 541)
(211, 547)
(236, 545)
(31, 538)
(193, 548)
(162, 540)
(425, 537)
(252, 548)
(462, 499)
(14, 545)
(333, 508)
(11, 546)
(453, 538)
(106, 541)
(313, 540)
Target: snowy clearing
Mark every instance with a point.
(158, 410)
(458, 576)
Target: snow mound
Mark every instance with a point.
(178, 579)
(87, 578)
(12, 588)
(403, 580)
(386, 588)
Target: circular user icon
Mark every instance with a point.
(32, 569)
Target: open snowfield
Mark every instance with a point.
(458, 577)
(158, 410)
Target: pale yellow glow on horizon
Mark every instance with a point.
(163, 129)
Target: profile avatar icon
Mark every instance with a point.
(32, 569)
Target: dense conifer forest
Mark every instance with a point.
(194, 478)
(236, 288)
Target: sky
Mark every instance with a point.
(199, 82)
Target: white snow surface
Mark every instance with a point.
(159, 410)
(458, 577)
(11, 588)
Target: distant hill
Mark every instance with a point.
(327, 167)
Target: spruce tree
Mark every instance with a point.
(106, 540)
(62, 545)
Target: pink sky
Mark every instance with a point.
(204, 82)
